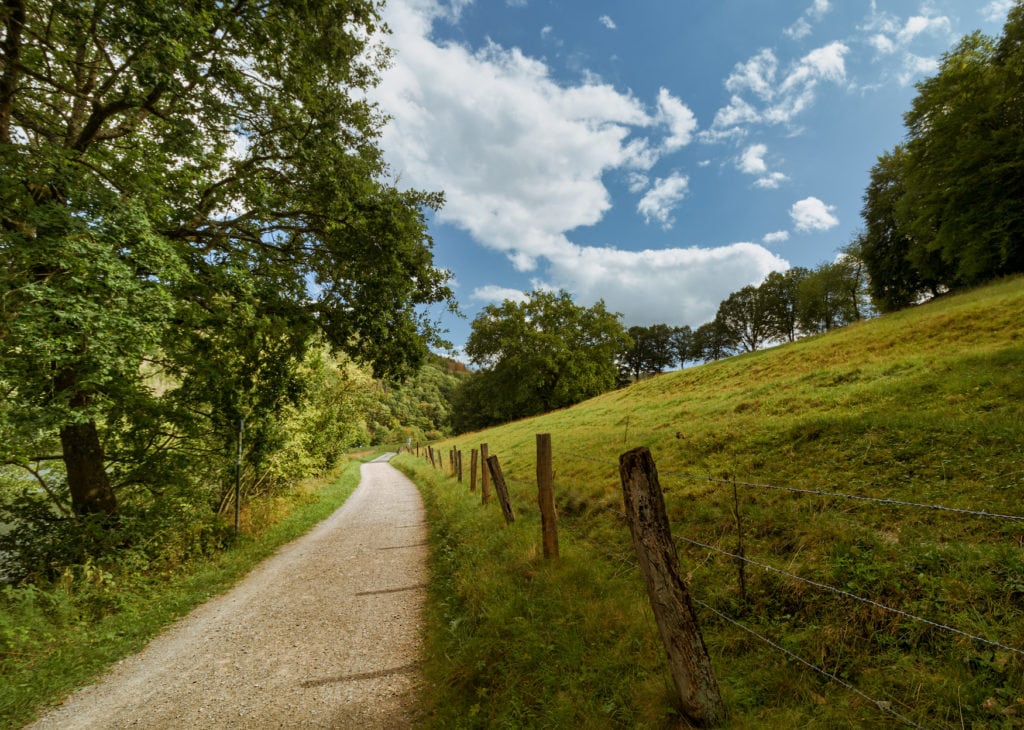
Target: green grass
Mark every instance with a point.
(924, 405)
(55, 643)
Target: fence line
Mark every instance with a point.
(848, 594)
(626, 563)
(884, 706)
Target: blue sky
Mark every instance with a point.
(657, 154)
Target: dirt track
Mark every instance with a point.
(325, 634)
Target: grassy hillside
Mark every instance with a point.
(922, 406)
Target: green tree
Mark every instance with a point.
(198, 188)
(683, 345)
(540, 354)
(831, 296)
(651, 351)
(943, 210)
(780, 292)
(713, 341)
(899, 271)
(746, 317)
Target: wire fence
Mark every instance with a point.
(626, 562)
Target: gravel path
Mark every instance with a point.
(325, 634)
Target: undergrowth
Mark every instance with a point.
(922, 406)
(59, 631)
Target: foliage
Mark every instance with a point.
(536, 356)
(942, 210)
(922, 405)
(196, 191)
(58, 635)
(745, 318)
(831, 296)
(651, 350)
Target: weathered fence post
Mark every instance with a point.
(458, 463)
(485, 477)
(501, 488)
(433, 461)
(699, 696)
(546, 496)
(472, 470)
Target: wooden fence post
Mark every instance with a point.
(433, 461)
(501, 488)
(546, 496)
(485, 477)
(699, 695)
(472, 470)
(458, 464)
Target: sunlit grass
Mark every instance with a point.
(925, 405)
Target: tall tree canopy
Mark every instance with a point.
(538, 355)
(192, 191)
(943, 210)
(652, 350)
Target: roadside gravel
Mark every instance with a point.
(325, 634)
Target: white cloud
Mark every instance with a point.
(776, 237)
(658, 203)
(676, 286)
(752, 160)
(918, 24)
(889, 35)
(678, 117)
(811, 214)
(498, 294)
(915, 66)
(802, 27)
(607, 22)
(522, 161)
(637, 181)
(771, 181)
(779, 99)
(996, 11)
(520, 158)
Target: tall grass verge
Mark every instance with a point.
(56, 638)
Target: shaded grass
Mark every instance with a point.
(56, 644)
(925, 405)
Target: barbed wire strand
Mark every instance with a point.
(848, 594)
(884, 706)
(818, 492)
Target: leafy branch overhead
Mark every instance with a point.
(200, 189)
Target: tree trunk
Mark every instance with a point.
(91, 492)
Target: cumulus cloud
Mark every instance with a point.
(778, 98)
(679, 119)
(776, 237)
(752, 160)
(996, 11)
(771, 181)
(889, 35)
(498, 294)
(802, 27)
(676, 286)
(659, 202)
(520, 157)
(522, 160)
(607, 22)
(811, 214)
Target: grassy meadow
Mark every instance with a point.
(924, 405)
